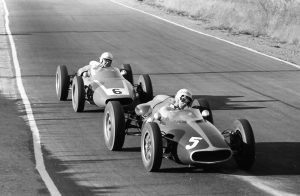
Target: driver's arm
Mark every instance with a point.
(83, 69)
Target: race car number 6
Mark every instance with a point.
(194, 141)
(116, 91)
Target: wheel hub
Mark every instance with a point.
(74, 95)
(108, 127)
(147, 146)
(236, 140)
(57, 83)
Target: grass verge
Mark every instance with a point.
(278, 19)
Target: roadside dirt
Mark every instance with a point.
(266, 45)
(17, 169)
(18, 175)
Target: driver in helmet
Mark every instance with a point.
(183, 99)
(105, 60)
(162, 105)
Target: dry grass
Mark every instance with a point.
(279, 19)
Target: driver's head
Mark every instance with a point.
(183, 98)
(106, 59)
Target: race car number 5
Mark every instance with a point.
(194, 141)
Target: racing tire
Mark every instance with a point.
(128, 76)
(202, 104)
(114, 126)
(146, 90)
(151, 147)
(78, 94)
(62, 82)
(245, 148)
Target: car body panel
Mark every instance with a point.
(109, 84)
(191, 135)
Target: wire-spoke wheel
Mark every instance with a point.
(146, 89)
(108, 127)
(151, 147)
(114, 126)
(244, 142)
(78, 94)
(128, 76)
(147, 146)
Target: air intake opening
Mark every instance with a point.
(211, 156)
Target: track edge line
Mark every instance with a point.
(40, 166)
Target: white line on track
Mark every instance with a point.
(199, 32)
(40, 166)
(254, 181)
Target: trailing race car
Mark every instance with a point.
(106, 85)
(186, 136)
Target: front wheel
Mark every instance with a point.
(151, 147)
(114, 126)
(78, 94)
(145, 88)
(128, 76)
(243, 143)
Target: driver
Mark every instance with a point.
(183, 99)
(105, 60)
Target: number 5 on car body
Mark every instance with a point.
(194, 141)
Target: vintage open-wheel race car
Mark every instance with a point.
(186, 136)
(108, 84)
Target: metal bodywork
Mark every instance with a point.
(108, 84)
(187, 137)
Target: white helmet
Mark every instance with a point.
(107, 56)
(183, 98)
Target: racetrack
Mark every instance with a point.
(238, 84)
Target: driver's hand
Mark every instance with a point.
(123, 72)
(149, 119)
(85, 74)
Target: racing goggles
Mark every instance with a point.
(185, 99)
(107, 62)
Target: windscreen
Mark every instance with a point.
(108, 72)
(183, 116)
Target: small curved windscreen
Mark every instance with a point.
(109, 72)
(185, 115)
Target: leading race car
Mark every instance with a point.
(108, 84)
(186, 136)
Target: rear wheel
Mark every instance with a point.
(114, 126)
(78, 94)
(202, 104)
(151, 147)
(145, 88)
(62, 82)
(128, 76)
(243, 143)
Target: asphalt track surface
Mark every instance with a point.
(237, 83)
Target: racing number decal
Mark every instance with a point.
(117, 91)
(194, 141)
